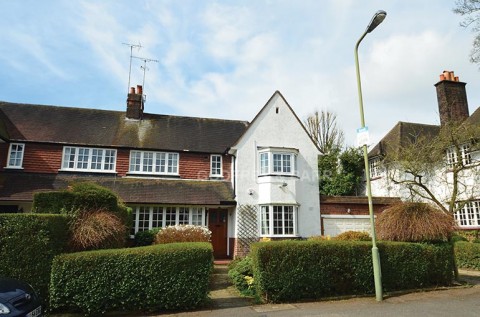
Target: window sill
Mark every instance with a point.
(216, 177)
(13, 168)
(153, 175)
(87, 171)
(279, 175)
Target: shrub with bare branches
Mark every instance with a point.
(183, 233)
(414, 222)
(97, 229)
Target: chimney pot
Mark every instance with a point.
(139, 89)
(442, 77)
(132, 90)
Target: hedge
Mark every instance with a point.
(467, 255)
(295, 270)
(150, 278)
(28, 244)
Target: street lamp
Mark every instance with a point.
(377, 271)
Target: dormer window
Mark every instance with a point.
(453, 155)
(88, 159)
(160, 163)
(274, 161)
(375, 167)
(15, 155)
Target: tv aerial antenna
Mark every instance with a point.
(138, 47)
(144, 67)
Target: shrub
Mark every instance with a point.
(319, 238)
(467, 255)
(97, 229)
(457, 238)
(353, 236)
(240, 273)
(28, 243)
(414, 222)
(151, 278)
(183, 233)
(146, 237)
(298, 270)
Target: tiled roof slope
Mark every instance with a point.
(22, 186)
(402, 134)
(92, 127)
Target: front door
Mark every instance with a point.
(217, 224)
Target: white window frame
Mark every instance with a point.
(83, 159)
(269, 160)
(154, 163)
(147, 217)
(269, 219)
(469, 215)
(374, 166)
(465, 152)
(15, 155)
(216, 165)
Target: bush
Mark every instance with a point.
(240, 273)
(151, 278)
(183, 233)
(299, 270)
(28, 243)
(319, 238)
(467, 255)
(414, 222)
(353, 236)
(457, 238)
(146, 237)
(98, 229)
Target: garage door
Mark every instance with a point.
(334, 226)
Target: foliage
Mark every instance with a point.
(98, 218)
(324, 131)
(354, 236)
(151, 278)
(414, 222)
(97, 229)
(467, 255)
(183, 233)
(419, 166)
(470, 10)
(146, 237)
(28, 243)
(457, 238)
(319, 238)
(240, 273)
(299, 270)
(340, 173)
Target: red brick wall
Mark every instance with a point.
(47, 158)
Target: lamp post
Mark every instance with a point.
(377, 271)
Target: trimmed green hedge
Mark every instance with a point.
(151, 278)
(467, 255)
(295, 270)
(28, 243)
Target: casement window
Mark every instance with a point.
(278, 220)
(277, 163)
(161, 163)
(15, 155)
(464, 151)
(150, 217)
(88, 159)
(375, 167)
(469, 215)
(216, 166)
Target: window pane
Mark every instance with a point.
(277, 220)
(69, 158)
(263, 163)
(16, 155)
(157, 217)
(97, 156)
(173, 163)
(135, 159)
(183, 215)
(170, 216)
(160, 159)
(288, 217)
(277, 163)
(265, 220)
(215, 165)
(147, 162)
(197, 216)
(109, 164)
(143, 214)
(286, 163)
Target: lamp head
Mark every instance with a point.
(376, 20)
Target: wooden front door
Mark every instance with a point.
(217, 223)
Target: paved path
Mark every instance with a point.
(456, 301)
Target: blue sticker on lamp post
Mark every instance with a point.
(363, 138)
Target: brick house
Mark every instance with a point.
(452, 106)
(242, 180)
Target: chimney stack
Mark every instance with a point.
(135, 103)
(452, 98)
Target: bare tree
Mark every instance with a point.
(470, 10)
(323, 129)
(444, 169)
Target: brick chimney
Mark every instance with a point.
(135, 103)
(452, 98)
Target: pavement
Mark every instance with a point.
(461, 300)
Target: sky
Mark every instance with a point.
(225, 59)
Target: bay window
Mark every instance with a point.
(278, 220)
(272, 162)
